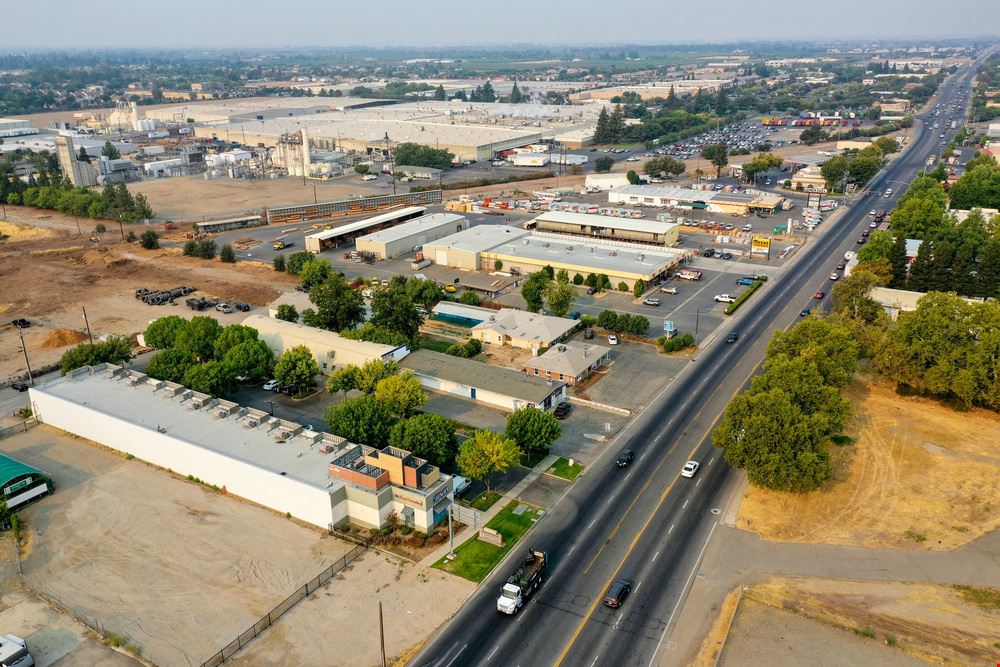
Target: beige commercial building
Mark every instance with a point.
(521, 328)
(606, 227)
(571, 363)
(330, 350)
(809, 179)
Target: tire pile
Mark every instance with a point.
(160, 297)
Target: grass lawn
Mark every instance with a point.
(435, 344)
(531, 460)
(562, 468)
(485, 500)
(476, 558)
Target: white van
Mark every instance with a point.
(460, 484)
(14, 652)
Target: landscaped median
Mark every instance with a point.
(563, 468)
(731, 308)
(475, 558)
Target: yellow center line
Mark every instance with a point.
(649, 519)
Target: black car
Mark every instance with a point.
(573, 314)
(21, 323)
(708, 252)
(617, 593)
(591, 290)
(240, 306)
(588, 334)
(625, 457)
(301, 288)
(19, 386)
(733, 337)
(562, 410)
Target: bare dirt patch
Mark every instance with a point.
(919, 475)
(48, 280)
(16, 232)
(175, 568)
(324, 629)
(928, 621)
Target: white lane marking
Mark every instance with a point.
(456, 655)
(669, 530)
(592, 523)
(711, 461)
(628, 475)
(611, 498)
(685, 504)
(495, 649)
(698, 482)
(571, 550)
(637, 587)
(680, 598)
(595, 661)
(654, 557)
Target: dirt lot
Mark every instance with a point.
(155, 558)
(885, 623)
(415, 602)
(103, 277)
(919, 475)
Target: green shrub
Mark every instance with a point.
(149, 240)
(623, 286)
(578, 279)
(405, 530)
(227, 254)
(731, 308)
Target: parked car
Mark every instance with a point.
(420, 309)
(748, 228)
(725, 298)
(612, 340)
(669, 290)
(21, 323)
(708, 252)
(744, 281)
(617, 593)
(574, 314)
(591, 291)
(588, 334)
(733, 337)
(562, 410)
(625, 457)
(450, 289)
(19, 386)
(240, 306)
(689, 469)
(224, 308)
(271, 385)
(460, 484)
(651, 301)
(726, 255)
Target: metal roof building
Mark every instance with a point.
(522, 328)
(347, 233)
(500, 387)
(406, 237)
(711, 200)
(606, 227)
(22, 483)
(462, 250)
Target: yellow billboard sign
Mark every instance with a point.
(762, 244)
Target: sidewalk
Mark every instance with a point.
(513, 494)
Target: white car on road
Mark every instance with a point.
(689, 469)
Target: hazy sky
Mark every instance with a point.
(273, 23)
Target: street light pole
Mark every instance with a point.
(87, 322)
(451, 535)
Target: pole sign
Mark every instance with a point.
(760, 245)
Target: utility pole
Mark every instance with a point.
(451, 535)
(381, 632)
(121, 227)
(25, 351)
(87, 322)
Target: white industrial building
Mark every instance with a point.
(16, 127)
(411, 235)
(711, 200)
(348, 232)
(605, 181)
(329, 349)
(315, 477)
(606, 227)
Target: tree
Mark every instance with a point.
(361, 169)
(286, 312)
(633, 178)
(439, 93)
(918, 218)
(250, 360)
(279, 263)
(109, 151)
(515, 94)
(470, 298)
(978, 186)
(833, 171)
(562, 276)
(879, 246)
(296, 368)
(616, 124)
(559, 297)
(639, 288)
(886, 145)
(779, 446)
(806, 388)
(115, 350)
(603, 165)
(829, 344)
(343, 379)
(401, 394)
(533, 290)
(170, 365)
(486, 453)
(532, 430)
(921, 268)
(205, 248)
(602, 131)
(162, 332)
(362, 420)
(498, 265)
(897, 260)
(231, 336)
(198, 337)
(212, 377)
(298, 260)
(149, 240)
(813, 135)
(761, 164)
(418, 155)
(372, 372)
(549, 271)
(227, 255)
(315, 272)
(988, 277)
(718, 155)
(424, 292)
(82, 156)
(577, 279)
(428, 436)
(373, 334)
(393, 309)
(338, 307)
(850, 297)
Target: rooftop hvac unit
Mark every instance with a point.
(133, 382)
(546, 244)
(252, 423)
(569, 248)
(285, 435)
(222, 414)
(326, 449)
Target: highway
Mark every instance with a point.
(645, 523)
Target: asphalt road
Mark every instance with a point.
(645, 523)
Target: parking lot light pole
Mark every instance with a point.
(451, 536)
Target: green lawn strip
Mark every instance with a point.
(475, 558)
(436, 345)
(485, 500)
(530, 460)
(562, 468)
